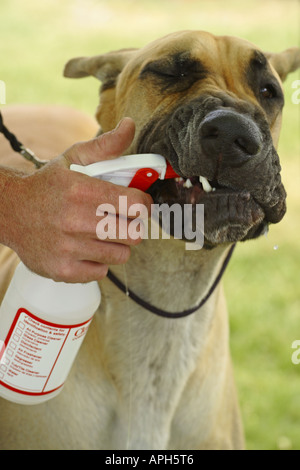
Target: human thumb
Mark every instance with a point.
(107, 146)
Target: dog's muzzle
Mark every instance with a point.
(233, 150)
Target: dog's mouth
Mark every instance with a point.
(183, 190)
(229, 215)
(192, 189)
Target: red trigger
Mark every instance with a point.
(143, 179)
(170, 173)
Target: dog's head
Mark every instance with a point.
(212, 106)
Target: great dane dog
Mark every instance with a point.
(212, 106)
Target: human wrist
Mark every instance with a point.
(10, 191)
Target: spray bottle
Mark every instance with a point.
(42, 322)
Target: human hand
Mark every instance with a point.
(53, 212)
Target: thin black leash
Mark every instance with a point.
(164, 313)
(18, 147)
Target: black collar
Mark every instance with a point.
(164, 313)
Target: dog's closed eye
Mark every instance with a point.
(175, 69)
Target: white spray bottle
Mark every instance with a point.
(42, 322)
(42, 326)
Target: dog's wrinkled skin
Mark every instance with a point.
(212, 106)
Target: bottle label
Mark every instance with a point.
(37, 355)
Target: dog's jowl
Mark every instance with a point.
(212, 106)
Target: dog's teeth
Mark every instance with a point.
(179, 179)
(188, 184)
(205, 184)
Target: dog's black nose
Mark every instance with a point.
(233, 136)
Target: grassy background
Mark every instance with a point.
(262, 283)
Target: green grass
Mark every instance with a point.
(264, 310)
(262, 284)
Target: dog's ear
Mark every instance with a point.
(285, 62)
(105, 67)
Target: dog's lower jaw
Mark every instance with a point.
(172, 350)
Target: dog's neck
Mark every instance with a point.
(172, 278)
(138, 344)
